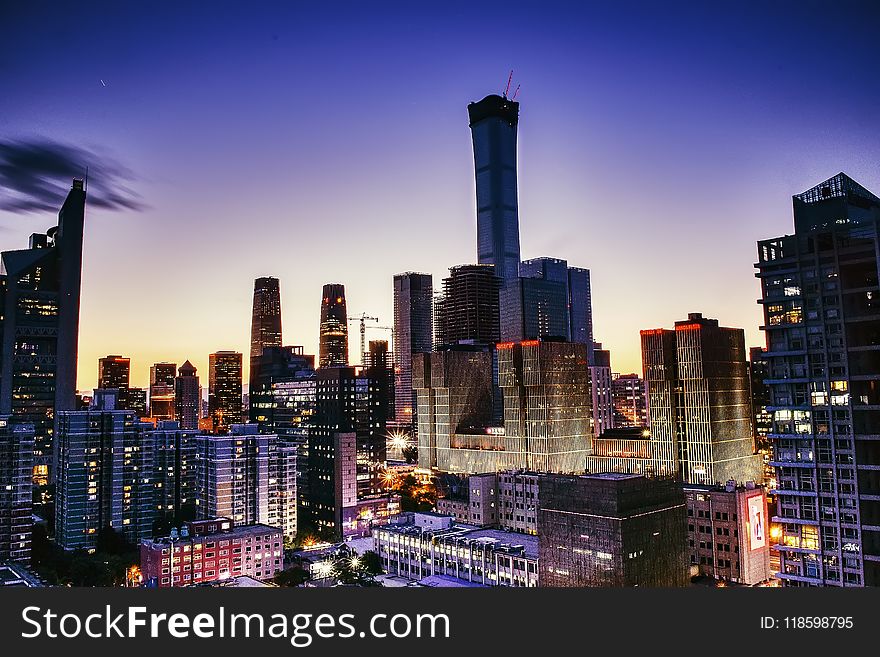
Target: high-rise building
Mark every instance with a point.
(346, 447)
(381, 370)
(224, 390)
(580, 304)
(546, 408)
(275, 365)
(413, 334)
(162, 390)
(611, 530)
(265, 322)
(16, 489)
(819, 289)
(536, 305)
(114, 371)
(175, 472)
(187, 397)
(248, 477)
(333, 348)
(105, 477)
(600, 386)
(493, 123)
(762, 418)
(468, 310)
(628, 395)
(699, 402)
(39, 297)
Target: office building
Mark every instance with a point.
(211, 551)
(380, 369)
(187, 397)
(413, 334)
(762, 418)
(16, 489)
(728, 533)
(427, 545)
(265, 322)
(114, 371)
(346, 447)
(699, 402)
(536, 304)
(162, 391)
(274, 365)
(629, 400)
(224, 390)
(819, 291)
(175, 472)
(468, 310)
(39, 297)
(105, 477)
(333, 347)
(507, 500)
(611, 530)
(580, 303)
(546, 408)
(600, 387)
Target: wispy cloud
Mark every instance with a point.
(35, 176)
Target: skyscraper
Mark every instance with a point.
(413, 334)
(699, 402)
(493, 123)
(630, 407)
(468, 309)
(333, 350)
(820, 293)
(114, 372)
(580, 307)
(224, 390)
(600, 379)
(187, 397)
(174, 471)
(162, 390)
(39, 296)
(274, 366)
(265, 321)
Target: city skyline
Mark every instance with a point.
(726, 150)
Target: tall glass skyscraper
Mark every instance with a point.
(413, 333)
(187, 400)
(493, 123)
(333, 348)
(265, 321)
(224, 389)
(39, 299)
(821, 301)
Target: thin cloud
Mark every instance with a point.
(35, 176)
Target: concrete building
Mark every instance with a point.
(420, 545)
(105, 477)
(507, 500)
(600, 388)
(611, 530)
(40, 300)
(728, 533)
(629, 397)
(468, 310)
(819, 291)
(212, 550)
(175, 465)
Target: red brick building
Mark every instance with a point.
(212, 550)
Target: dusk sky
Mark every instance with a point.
(329, 142)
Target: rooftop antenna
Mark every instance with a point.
(515, 93)
(509, 78)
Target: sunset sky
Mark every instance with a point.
(329, 142)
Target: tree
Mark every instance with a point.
(295, 576)
(371, 562)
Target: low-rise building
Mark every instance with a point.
(421, 545)
(728, 532)
(507, 500)
(212, 550)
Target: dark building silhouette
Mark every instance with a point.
(413, 334)
(275, 365)
(114, 372)
(162, 390)
(265, 321)
(381, 370)
(187, 397)
(821, 304)
(333, 351)
(611, 530)
(224, 390)
(468, 310)
(40, 298)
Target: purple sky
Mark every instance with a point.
(657, 145)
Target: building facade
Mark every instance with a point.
(333, 347)
(265, 322)
(16, 472)
(819, 290)
(612, 530)
(187, 397)
(413, 334)
(175, 472)
(468, 309)
(629, 399)
(162, 391)
(600, 380)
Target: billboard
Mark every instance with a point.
(757, 522)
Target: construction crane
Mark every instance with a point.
(363, 319)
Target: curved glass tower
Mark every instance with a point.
(334, 327)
